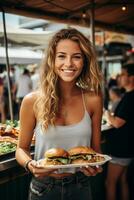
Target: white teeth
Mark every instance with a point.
(68, 70)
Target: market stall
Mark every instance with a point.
(12, 175)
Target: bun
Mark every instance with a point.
(56, 152)
(56, 156)
(81, 150)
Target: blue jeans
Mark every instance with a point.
(75, 187)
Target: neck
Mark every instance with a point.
(67, 90)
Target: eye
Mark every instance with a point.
(61, 56)
(77, 57)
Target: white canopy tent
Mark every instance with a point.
(26, 36)
(20, 56)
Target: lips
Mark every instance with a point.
(68, 70)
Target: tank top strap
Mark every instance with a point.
(83, 99)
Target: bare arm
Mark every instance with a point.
(96, 109)
(114, 121)
(95, 106)
(27, 124)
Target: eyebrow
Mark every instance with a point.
(73, 54)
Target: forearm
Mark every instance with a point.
(115, 121)
(112, 120)
(96, 136)
(22, 156)
(96, 146)
(96, 141)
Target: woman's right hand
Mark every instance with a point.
(91, 171)
(39, 171)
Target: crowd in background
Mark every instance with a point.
(26, 82)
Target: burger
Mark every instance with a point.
(83, 154)
(56, 156)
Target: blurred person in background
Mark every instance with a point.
(115, 95)
(23, 86)
(122, 140)
(122, 90)
(112, 81)
(5, 88)
(13, 91)
(2, 104)
(34, 77)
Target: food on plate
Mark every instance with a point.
(7, 147)
(2, 128)
(56, 156)
(9, 128)
(83, 154)
(8, 139)
(13, 132)
(76, 155)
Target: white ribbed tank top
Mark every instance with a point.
(66, 137)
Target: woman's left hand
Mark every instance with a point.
(39, 171)
(91, 171)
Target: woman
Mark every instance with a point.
(62, 113)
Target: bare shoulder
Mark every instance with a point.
(27, 107)
(92, 97)
(93, 101)
(30, 99)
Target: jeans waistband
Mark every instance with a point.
(77, 177)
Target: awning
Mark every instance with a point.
(23, 36)
(114, 15)
(20, 56)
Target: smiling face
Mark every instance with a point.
(68, 61)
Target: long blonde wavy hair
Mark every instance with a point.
(46, 105)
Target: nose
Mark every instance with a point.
(68, 62)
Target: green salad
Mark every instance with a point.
(7, 147)
(14, 123)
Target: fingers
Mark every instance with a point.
(88, 171)
(33, 163)
(91, 171)
(39, 171)
(99, 169)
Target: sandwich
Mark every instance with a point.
(83, 154)
(56, 156)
